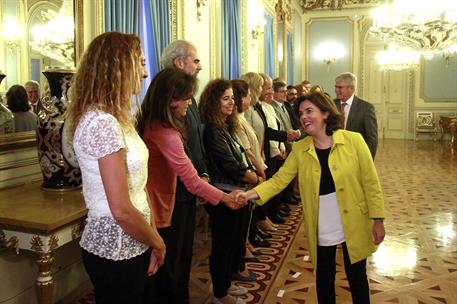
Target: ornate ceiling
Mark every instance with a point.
(308, 5)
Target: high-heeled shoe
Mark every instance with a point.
(237, 291)
(251, 277)
(215, 300)
(271, 223)
(266, 226)
(252, 259)
(257, 241)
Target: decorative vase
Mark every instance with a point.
(55, 153)
(6, 116)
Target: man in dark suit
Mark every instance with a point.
(172, 279)
(359, 114)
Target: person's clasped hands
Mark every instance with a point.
(293, 135)
(231, 200)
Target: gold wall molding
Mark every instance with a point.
(79, 29)
(283, 10)
(306, 34)
(215, 40)
(245, 37)
(174, 19)
(363, 28)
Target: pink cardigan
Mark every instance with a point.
(167, 160)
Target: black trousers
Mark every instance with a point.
(117, 281)
(274, 203)
(238, 262)
(325, 276)
(171, 282)
(226, 242)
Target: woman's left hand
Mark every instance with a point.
(378, 231)
(153, 264)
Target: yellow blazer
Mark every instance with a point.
(357, 187)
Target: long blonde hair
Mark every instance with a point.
(255, 81)
(109, 74)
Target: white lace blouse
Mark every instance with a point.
(99, 134)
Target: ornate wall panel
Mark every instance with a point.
(320, 30)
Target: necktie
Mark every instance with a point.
(343, 111)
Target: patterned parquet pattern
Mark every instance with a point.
(269, 262)
(417, 262)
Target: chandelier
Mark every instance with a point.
(397, 59)
(423, 25)
(55, 38)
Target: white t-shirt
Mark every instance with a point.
(330, 230)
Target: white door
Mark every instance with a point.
(388, 91)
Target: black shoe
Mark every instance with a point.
(293, 202)
(283, 213)
(251, 259)
(284, 207)
(276, 219)
(257, 241)
(263, 234)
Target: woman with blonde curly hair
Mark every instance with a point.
(120, 243)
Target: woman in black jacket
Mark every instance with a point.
(229, 170)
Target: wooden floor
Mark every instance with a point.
(417, 262)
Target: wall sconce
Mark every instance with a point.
(329, 60)
(12, 34)
(200, 4)
(329, 52)
(256, 21)
(257, 32)
(449, 53)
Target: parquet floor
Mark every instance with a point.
(417, 262)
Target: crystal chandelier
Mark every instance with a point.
(397, 59)
(423, 25)
(55, 38)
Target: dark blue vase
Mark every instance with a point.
(55, 153)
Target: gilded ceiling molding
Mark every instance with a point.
(200, 5)
(308, 5)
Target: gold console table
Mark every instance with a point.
(40, 221)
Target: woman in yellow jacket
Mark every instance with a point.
(341, 195)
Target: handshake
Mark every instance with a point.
(293, 135)
(235, 199)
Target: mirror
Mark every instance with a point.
(25, 52)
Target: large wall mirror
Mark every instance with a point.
(36, 34)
